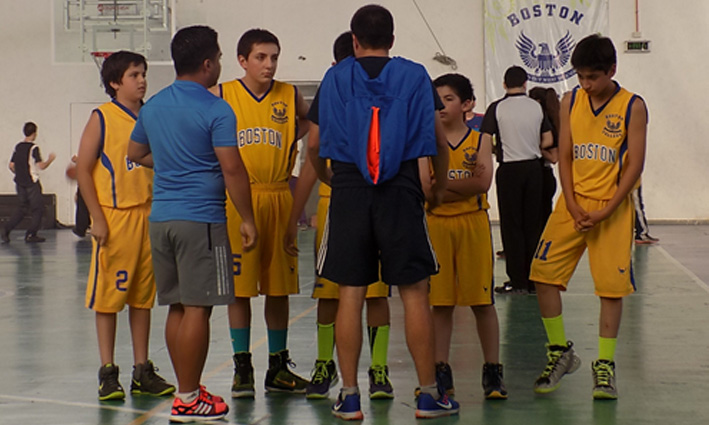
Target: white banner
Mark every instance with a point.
(539, 37)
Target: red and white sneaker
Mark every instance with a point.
(205, 408)
(214, 397)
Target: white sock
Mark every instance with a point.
(188, 398)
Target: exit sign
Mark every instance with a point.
(637, 46)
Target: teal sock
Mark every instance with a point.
(277, 339)
(240, 339)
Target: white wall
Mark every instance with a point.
(33, 88)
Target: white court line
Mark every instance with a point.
(682, 267)
(77, 404)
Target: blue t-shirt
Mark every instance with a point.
(182, 124)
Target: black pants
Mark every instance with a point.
(519, 199)
(30, 199)
(641, 227)
(548, 194)
(82, 218)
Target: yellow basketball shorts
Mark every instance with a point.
(463, 246)
(121, 271)
(609, 246)
(267, 269)
(328, 289)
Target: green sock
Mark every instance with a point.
(240, 339)
(606, 348)
(326, 341)
(555, 330)
(379, 344)
(277, 339)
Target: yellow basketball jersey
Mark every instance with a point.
(265, 128)
(461, 164)
(599, 142)
(120, 183)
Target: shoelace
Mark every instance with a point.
(289, 362)
(553, 357)
(380, 376)
(603, 374)
(320, 373)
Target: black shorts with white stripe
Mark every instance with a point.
(370, 225)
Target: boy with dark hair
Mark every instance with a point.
(24, 163)
(118, 195)
(601, 154)
(270, 119)
(376, 116)
(324, 375)
(189, 136)
(460, 234)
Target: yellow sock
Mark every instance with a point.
(606, 348)
(555, 330)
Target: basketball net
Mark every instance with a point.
(99, 57)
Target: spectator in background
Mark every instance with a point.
(25, 163)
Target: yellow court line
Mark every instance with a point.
(155, 411)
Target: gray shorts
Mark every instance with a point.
(192, 263)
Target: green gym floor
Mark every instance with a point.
(49, 358)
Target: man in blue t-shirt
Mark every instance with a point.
(188, 136)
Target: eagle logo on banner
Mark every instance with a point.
(544, 63)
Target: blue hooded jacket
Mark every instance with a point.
(350, 103)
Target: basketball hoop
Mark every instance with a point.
(99, 57)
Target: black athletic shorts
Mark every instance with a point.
(373, 224)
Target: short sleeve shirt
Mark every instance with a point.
(25, 157)
(517, 122)
(182, 124)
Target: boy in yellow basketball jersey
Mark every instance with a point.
(270, 118)
(601, 154)
(324, 375)
(118, 195)
(460, 233)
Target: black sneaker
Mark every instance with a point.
(34, 239)
(281, 379)
(506, 288)
(243, 386)
(5, 234)
(493, 385)
(444, 378)
(323, 377)
(146, 381)
(646, 240)
(379, 383)
(108, 386)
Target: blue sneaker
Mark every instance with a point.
(428, 407)
(348, 408)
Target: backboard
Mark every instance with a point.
(81, 27)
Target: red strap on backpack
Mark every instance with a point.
(373, 146)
